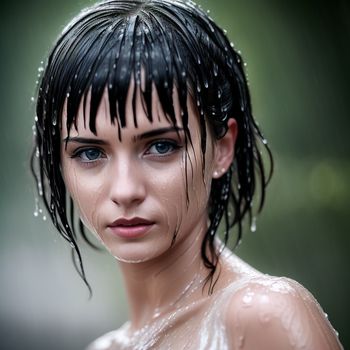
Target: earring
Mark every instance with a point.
(217, 174)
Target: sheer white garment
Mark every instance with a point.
(251, 308)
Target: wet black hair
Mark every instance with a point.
(176, 45)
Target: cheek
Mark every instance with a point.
(85, 193)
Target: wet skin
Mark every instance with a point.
(143, 177)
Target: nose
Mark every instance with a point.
(127, 187)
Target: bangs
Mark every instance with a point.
(110, 46)
(132, 50)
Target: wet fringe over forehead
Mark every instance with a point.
(165, 45)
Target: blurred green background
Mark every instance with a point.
(297, 54)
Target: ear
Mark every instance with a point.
(225, 150)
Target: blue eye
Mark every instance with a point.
(162, 147)
(88, 155)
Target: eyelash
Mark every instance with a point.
(175, 146)
(170, 143)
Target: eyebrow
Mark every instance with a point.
(157, 132)
(84, 140)
(142, 136)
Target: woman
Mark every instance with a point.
(144, 126)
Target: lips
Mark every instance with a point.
(130, 228)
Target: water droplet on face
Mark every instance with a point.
(240, 342)
(32, 99)
(264, 141)
(44, 218)
(232, 44)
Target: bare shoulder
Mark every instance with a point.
(277, 313)
(105, 342)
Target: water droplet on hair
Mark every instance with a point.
(199, 60)
(36, 118)
(253, 224)
(40, 188)
(36, 210)
(54, 118)
(219, 93)
(199, 87)
(232, 44)
(206, 84)
(264, 141)
(68, 94)
(183, 73)
(37, 153)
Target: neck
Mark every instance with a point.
(166, 283)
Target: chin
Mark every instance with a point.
(136, 252)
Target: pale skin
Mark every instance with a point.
(143, 176)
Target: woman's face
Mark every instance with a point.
(131, 193)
